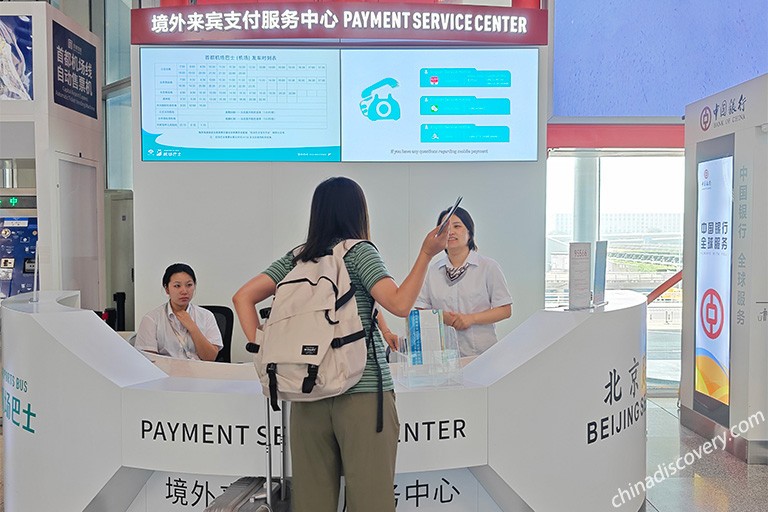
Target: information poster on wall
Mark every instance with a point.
(439, 104)
(74, 71)
(713, 277)
(240, 104)
(16, 77)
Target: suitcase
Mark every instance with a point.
(248, 494)
(237, 494)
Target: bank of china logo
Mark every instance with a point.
(712, 313)
(705, 119)
(376, 107)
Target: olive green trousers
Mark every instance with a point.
(337, 436)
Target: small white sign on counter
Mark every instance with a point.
(579, 273)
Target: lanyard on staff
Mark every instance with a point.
(182, 340)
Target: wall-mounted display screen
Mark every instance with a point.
(713, 278)
(439, 104)
(239, 104)
(354, 105)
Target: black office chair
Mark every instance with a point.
(225, 318)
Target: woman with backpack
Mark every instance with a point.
(338, 435)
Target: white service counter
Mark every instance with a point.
(552, 418)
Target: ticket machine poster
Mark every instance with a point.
(713, 277)
(16, 58)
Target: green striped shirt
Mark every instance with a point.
(365, 268)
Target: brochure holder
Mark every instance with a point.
(429, 356)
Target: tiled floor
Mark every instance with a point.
(715, 483)
(2, 482)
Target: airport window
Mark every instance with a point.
(117, 37)
(118, 137)
(635, 202)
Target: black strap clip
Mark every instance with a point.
(272, 373)
(310, 380)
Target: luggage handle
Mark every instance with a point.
(283, 454)
(268, 445)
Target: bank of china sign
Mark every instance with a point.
(339, 21)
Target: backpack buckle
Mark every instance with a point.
(309, 381)
(272, 374)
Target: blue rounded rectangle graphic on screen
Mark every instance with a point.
(464, 106)
(464, 77)
(437, 133)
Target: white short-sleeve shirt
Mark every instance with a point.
(161, 331)
(480, 288)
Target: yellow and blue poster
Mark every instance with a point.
(713, 278)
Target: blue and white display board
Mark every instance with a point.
(330, 105)
(439, 105)
(239, 104)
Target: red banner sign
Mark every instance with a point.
(337, 22)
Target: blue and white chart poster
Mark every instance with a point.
(16, 77)
(74, 75)
(240, 104)
(429, 105)
(713, 278)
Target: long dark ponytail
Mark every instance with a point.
(338, 211)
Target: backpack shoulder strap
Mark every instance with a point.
(342, 248)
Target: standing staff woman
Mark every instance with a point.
(469, 288)
(338, 435)
(178, 328)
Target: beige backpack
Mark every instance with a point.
(313, 344)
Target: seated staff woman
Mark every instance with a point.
(178, 328)
(469, 288)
